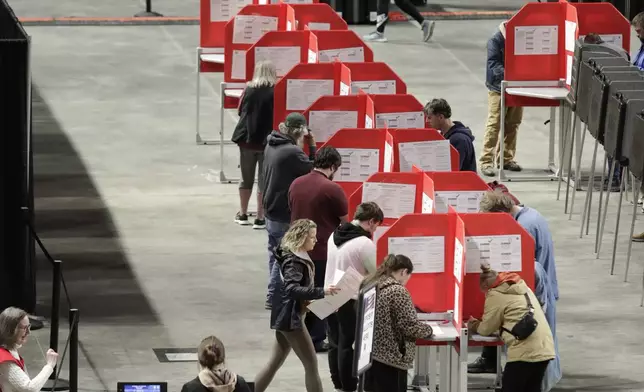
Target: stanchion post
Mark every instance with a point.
(55, 309)
(148, 13)
(73, 350)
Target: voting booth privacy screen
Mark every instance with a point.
(365, 329)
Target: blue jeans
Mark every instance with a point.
(616, 178)
(276, 231)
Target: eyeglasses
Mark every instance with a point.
(26, 328)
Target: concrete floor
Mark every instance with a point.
(152, 258)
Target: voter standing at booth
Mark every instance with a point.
(548, 303)
(317, 197)
(350, 246)
(513, 310)
(284, 161)
(290, 306)
(396, 327)
(460, 137)
(638, 60)
(405, 6)
(495, 72)
(255, 119)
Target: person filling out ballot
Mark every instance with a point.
(14, 331)
(290, 303)
(396, 327)
(513, 310)
(350, 246)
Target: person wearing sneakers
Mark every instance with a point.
(460, 137)
(284, 161)
(255, 119)
(316, 197)
(495, 72)
(427, 26)
(350, 245)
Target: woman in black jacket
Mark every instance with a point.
(213, 374)
(255, 124)
(289, 306)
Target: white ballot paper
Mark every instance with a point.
(534, 40)
(357, 164)
(388, 158)
(283, 57)
(568, 69)
(374, 87)
(412, 120)
(249, 28)
(368, 122)
(301, 93)
(395, 200)
(570, 35)
(346, 55)
(462, 201)
(319, 26)
(426, 253)
(431, 155)
(224, 10)
(349, 284)
(344, 89)
(428, 204)
(324, 123)
(238, 67)
(502, 252)
(457, 302)
(380, 230)
(436, 329)
(458, 259)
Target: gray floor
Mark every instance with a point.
(152, 259)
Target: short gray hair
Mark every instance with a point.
(295, 133)
(10, 318)
(638, 20)
(495, 201)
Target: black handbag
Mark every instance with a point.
(526, 326)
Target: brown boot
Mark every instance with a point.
(638, 237)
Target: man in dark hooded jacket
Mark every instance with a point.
(439, 114)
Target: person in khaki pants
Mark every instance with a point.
(513, 115)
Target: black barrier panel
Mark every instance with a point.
(584, 52)
(631, 146)
(600, 90)
(619, 106)
(586, 72)
(636, 161)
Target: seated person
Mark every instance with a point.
(439, 114)
(213, 374)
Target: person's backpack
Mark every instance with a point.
(498, 187)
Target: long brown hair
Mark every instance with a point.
(211, 352)
(392, 263)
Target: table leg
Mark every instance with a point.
(443, 354)
(197, 134)
(501, 174)
(551, 147)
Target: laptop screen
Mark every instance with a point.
(142, 387)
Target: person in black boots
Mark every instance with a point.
(460, 137)
(427, 26)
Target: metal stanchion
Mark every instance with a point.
(148, 13)
(73, 349)
(573, 133)
(563, 151)
(603, 221)
(577, 170)
(601, 197)
(54, 384)
(619, 214)
(636, 193)
(589, 194)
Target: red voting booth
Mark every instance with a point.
(330, 113)
(398, 111)
(285, 49)
(425, 148)
(460, 190)
(304, 84)
(318, 16)
(343, 45)
(375, 78)
(347, 141)
(606, 20)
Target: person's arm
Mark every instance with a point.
(301, 164)
(541, 285)
(368, 256)
(459, 145)
(19, 380)
(492, 319)
(293, 275)
(240, 107)
(406, 317)
(495, 60)
(341, 204)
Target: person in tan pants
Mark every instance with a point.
(513, 115)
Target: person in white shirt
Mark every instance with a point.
(14, 330)
(350, 245)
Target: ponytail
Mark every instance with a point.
(487, 273)
(391, 264)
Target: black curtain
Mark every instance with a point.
(17, 261)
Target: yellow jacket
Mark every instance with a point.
(505, 305)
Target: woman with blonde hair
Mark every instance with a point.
(214, 376)
(512, 309)
(255, 124)
(289, 306)
(14, 331)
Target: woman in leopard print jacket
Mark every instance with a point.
(396, 327)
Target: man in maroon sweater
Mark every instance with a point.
(316, 197)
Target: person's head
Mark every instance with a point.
(301, 236)
(638, 25)
(487, 278)
(593, 38)
(439, 114)
(369, 216)
(398, 267)
(14, 328)
(327, 161)
(493, 201)
(265, 75)
(211, 352)
(294, 126)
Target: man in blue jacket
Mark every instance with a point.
(495, 72)
(439, 114)
(638, 60)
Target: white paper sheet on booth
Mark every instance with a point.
(368, 122)
(427, 205)
(325, 123)
(248, 29)
(458, 259)
(357, 164)
(462, 201)
(427, 253)
(283, 57)
(380, 230)
(346, 55)
(412, 120)
(319, 26)
(570, 28)
(535, 40)
(238, 66)
(301, 93)
(349, 284)
(502, 252)
(313, 57)
(395, 200)
(374, 86)
(433, 155)
(388, 158)
(224, 10)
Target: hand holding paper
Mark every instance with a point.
(331, 290)
(346, 286)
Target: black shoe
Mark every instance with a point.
(259, 224)
(322, 347)
(480, 366)
(242, 219)
(268, 305)
(512, 166)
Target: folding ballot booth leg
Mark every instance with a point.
(636, 193)
(425, 355)
(198, 111)
(570, 147)
(601, 198)
(585, 215)
(603, 220)
(459, 361)
(577, 180)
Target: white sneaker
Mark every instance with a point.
(428, 29)
(375, 37)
